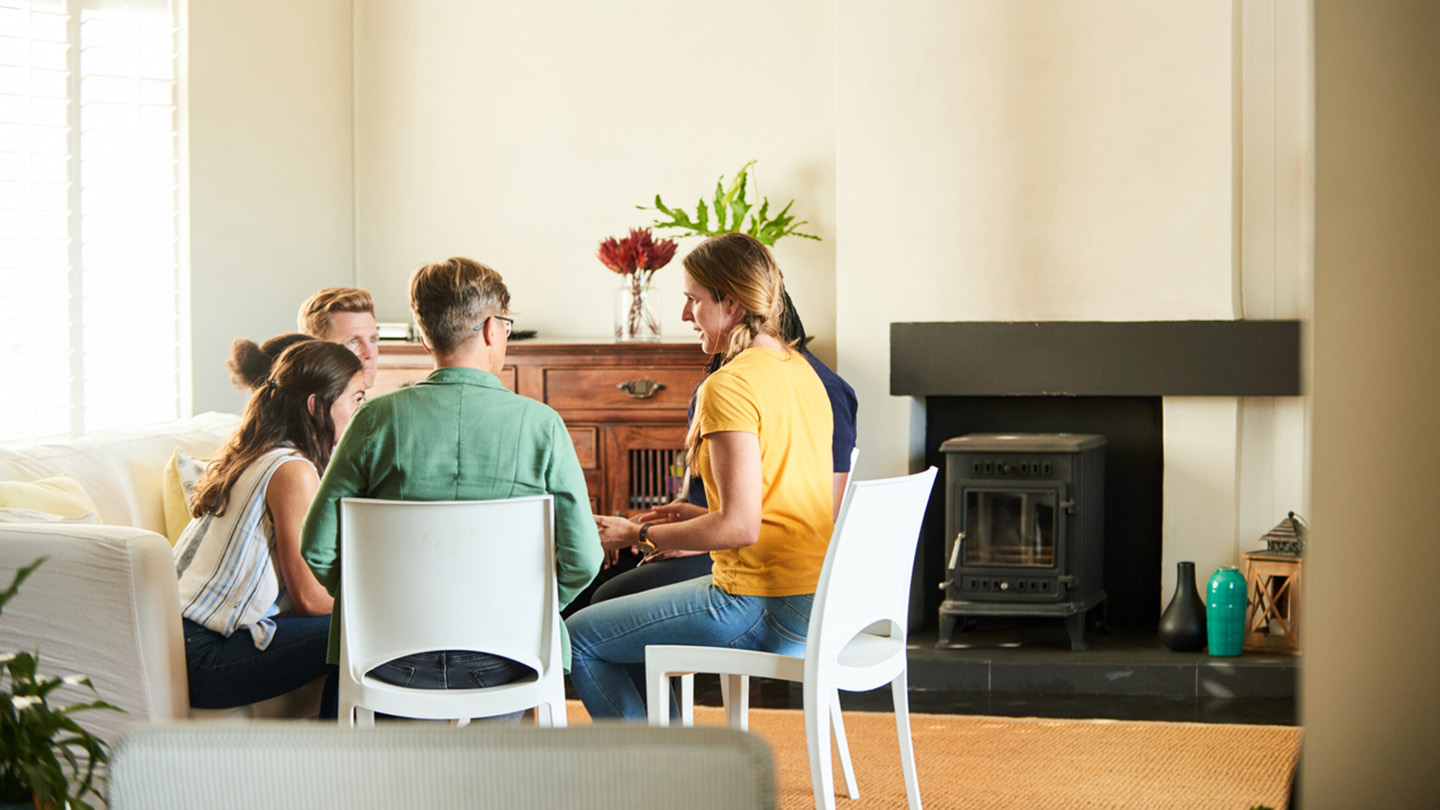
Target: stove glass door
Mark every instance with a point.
(1010, 527)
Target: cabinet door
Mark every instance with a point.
(644, 466)
(586, 439)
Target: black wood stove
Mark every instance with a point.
(1024, 528)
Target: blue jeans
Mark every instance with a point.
(453, 669)
(229, 672)
(607, 640)
(654, 574)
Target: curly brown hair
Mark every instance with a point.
(250, 364)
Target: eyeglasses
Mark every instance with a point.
(509, 323)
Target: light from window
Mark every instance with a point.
(90, 312)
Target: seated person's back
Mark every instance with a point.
(457, 435)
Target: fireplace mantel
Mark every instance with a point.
(1108, 378)
(1095, 358)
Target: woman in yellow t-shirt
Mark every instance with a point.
(760, 440)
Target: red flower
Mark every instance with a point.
(638, 251)
(617, 255)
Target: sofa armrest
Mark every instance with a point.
(105, 604)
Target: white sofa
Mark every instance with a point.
(105, 604)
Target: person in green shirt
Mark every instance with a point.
(458, 435)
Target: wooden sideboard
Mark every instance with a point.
(624, 404)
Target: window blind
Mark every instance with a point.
(91, 313)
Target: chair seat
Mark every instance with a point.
(679, 659)
(868, 661)
(449, 704)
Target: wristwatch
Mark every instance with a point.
(644, 542)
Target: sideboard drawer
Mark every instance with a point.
(620, 388)
(627, 444)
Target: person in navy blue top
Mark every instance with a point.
(665, 567)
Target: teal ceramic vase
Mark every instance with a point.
(1225, 611)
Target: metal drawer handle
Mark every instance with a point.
(641, 389)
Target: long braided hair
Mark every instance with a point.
(737, 267)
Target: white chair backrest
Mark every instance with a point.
(448, 575)
(866, 576)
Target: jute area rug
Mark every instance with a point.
(968, 761)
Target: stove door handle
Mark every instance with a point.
(955, 551)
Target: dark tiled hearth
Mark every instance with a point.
(1005, 659)
(1026, 669)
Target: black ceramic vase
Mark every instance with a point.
(1182, 625)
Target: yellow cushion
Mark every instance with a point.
(178, 484)
(56, 495)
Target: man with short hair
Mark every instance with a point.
(345, 315)
(458, 435)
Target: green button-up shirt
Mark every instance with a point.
(459, 435)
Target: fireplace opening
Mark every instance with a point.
(1133, 494)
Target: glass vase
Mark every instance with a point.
(637, 314)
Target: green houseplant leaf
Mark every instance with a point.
(733, 212)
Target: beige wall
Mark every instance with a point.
(270, 165)
(1370, 705)
(522, 134)
(1038, 159)
(986, 161)
(1046, 160)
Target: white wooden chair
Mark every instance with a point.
(856, 639)
(449, 575)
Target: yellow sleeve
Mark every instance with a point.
(726, 402)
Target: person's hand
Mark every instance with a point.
(616, 533)
(672, 513)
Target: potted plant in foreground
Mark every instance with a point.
(47, 760)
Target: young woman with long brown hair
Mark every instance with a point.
(239, 561)
(760, 441)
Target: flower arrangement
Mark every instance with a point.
(638, 256)
(732, 213)
(41, 744)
